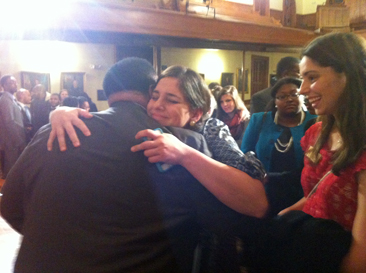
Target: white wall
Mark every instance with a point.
(55, 57)
(209, 62)
(309, 6)
(214, 62)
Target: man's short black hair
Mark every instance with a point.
(4, 79)
(130, 74)
(286, 63)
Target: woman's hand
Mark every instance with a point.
(161, 147)
(64, 119)
(297, 206)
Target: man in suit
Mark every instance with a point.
(102, 208)
(286, 67)
(24, 99)
(12, 134)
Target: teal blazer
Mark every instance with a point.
(261, 135)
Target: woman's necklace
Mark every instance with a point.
(301, 118)
(284, 147)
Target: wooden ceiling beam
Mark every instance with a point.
(119, 18)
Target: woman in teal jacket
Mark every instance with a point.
(275, 138)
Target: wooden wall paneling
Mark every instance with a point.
(306, 21)
(277, 14)
(332, 17)
(357, 11)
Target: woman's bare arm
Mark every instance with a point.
(232, 187)
(64, 119)
(297, 206)
(355, 261)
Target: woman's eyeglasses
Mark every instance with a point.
(285, 97)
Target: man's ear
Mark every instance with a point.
(196, 115)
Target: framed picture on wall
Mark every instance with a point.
(202, 75)
(30, 79)
(74, 82)
(101, 95)
(227, 79)
(239, 80)
(245, 81)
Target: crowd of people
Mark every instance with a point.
(176, 174)
(23, 112)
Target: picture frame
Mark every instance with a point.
(202, 75)
(74, 82)
(227, 79)
(30, 79)
(239, 80)
(101, 95)
(245, 81)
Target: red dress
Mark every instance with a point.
(336, 196)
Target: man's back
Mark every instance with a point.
(102, 208)
(12, 134)
(259, 100)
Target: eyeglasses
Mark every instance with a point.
(285, 97)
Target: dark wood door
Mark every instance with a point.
(259, 77)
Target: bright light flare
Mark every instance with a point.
(21, 15)
(211, 65)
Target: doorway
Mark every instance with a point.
(259, 77)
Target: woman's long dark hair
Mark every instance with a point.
(345, 53)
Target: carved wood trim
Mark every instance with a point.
(127, 19)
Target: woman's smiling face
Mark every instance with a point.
(321, 85)
(227, 103)
(167, 105)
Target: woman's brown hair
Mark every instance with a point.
(239, 104)
(345, 53)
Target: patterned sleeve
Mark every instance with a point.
(225, 149)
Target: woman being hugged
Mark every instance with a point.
(232, 111)
(333, 68)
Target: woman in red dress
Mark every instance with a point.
(333, 68)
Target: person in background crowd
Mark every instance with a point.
(12, 133)
(286, 67)
(214, 88)
(275, 137)
(92, 105)
(63, 94)
(71, 101)
(54, 101)
(24, 99)
(40, 108)
(232, 111)
(83, 103)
